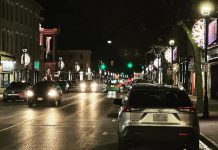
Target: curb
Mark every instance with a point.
(210, 143)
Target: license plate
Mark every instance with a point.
(12, 94)
(39, 98)
(160, 117)
(112, 85)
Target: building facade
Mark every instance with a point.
(19, 29)
(76, 63)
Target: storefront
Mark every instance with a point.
(6, 72)
(213, 72)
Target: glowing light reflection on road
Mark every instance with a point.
(29, 114)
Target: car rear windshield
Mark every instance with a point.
(159, 98)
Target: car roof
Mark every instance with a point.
(156, 87)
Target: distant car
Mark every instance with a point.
(44, 92)
(113, 85)
(16, 91)
(64, 85)
(89, 86)
(154, 113)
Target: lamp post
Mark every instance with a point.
(158, 64)
(205, 11)
(25, 60)
(171, 43)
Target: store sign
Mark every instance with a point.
(7, 65)
(36, 65)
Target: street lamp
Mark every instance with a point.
(171, 43)
(205, 11)
(25, 60)
(109, 42)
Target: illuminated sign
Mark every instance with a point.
(156, 62)
(212, 31)
(198, 32)
(36, 65)
(7, 65)
(168, 55)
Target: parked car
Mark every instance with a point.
(154, 113)
(16, 91)
(89, 86)
(64, 85)
(44, 92)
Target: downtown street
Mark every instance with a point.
(83, 121)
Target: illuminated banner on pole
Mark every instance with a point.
(212, 31)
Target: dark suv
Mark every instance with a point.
(158, 113)
(16, 91)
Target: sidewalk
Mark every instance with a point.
(209, 127)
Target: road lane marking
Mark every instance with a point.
(25, 121)
(108, 133)
(205, 147)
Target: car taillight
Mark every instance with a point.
(126, 109)
(183, 134)
(187, 109)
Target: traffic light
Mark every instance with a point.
(130, 65)
(102, 66)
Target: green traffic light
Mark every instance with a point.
(102, 66)
(130, 65)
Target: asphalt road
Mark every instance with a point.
(83, 121)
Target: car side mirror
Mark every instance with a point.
(118, 102)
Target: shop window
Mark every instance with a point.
(16, 13)
(5, 80)
(3, 9)
(21, 15)
(3, 40)
(12, 11)
(7, 11)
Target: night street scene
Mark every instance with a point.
(108, 75)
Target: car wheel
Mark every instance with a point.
(30, 104)
(122, 144)
(5, 100)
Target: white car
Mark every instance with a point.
(153, 113)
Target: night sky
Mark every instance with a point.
(132, 25)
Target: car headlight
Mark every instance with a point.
(94, 86)
(67, 85)
(83, 85)
(29, 93)
(52, 93)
